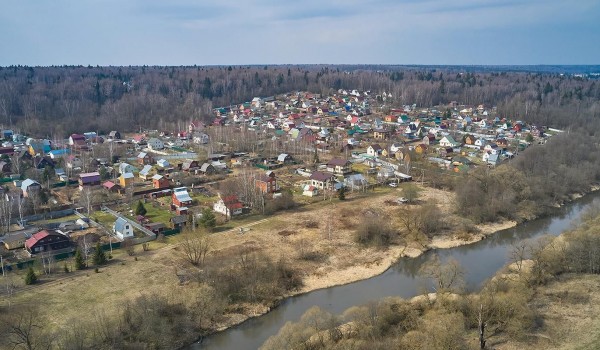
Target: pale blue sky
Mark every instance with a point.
(186, 32)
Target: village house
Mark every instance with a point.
(181, 197)
(89, 180)
(284, 158)
(111, 187)
(77, 141)
(374, 150)
(179, 221)
(5, 167)
(145, 173)
(160, 182)
(267, 182)
(114, 135)
(30, 187)
(470, 140)
(126, 180)
(339, 166)
(155, 144)
(448, 141)
(381, 134)
(144, 158)
(321, 180)
(189, 165)
(200, 138)
(47, 240)
(228, 206)
(126, 168)
(208, 169)
(310, 191)
(122, 228)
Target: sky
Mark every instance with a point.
(237, 32)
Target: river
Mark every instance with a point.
(480, 260)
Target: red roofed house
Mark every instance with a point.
(47, 240)
(228, 206)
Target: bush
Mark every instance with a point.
(30, 277)
(374, 231)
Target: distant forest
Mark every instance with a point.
(57, 101)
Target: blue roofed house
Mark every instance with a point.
(122, 228)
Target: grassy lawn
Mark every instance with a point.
(105, 219)
(158, 213)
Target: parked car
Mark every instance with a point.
(393, 184)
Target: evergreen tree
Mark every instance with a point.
(79, 263)
(30, 277)
(140, 209)
(342, 193)
(208, 219)
(99, 256)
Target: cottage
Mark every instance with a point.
(155, 144)
(111, 186)
(156, 227)
(122, 228)
(77, 141)
(228, 206)
(159, 181)
(144, 158)
(321, 180)
(310, 191)
(181, 197)
(208, 169)
(200, 138)
(374, 150)
(30, 187)
(145, 172)
(89, 179)
(189, 164)
(179, 221)
(126, 168)
(47, 240)
(126, 180)
(339, 166)
(16, 240)
(5, 167)
(284, 158)
(267, 182)
(381, 134)
(448, 141)
(470, 140)
(114, 135)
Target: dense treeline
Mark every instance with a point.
(53, 101)
(534, 183)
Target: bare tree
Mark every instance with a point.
(446, 277)
(26, 331)
(195, 246)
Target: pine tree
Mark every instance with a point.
(99, 256)
(208, 219)
(79, 263)
(30, 277)
(140, 209)
(342, 193)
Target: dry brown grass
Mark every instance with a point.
(325, 231)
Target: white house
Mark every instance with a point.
(122, 228)
(448, 141)
(155, 144)
(200, 138)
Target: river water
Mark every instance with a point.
(480, 261)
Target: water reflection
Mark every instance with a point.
(480, 260)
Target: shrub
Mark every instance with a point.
(30, 277)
